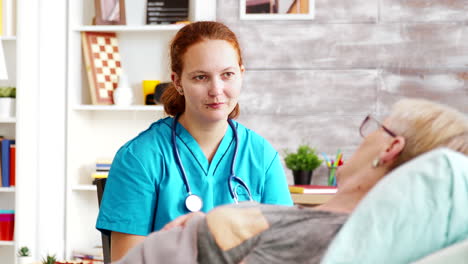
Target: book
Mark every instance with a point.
(5, 157)
(1, 176)
(313, 189)
(103, 65)
(99, 174)
(310, 199)
(12, 164)
(166, 11)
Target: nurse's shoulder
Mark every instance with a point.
(152, 140)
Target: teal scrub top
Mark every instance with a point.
(145, 189)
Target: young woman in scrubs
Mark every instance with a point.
(186, 162)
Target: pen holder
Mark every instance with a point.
(332, 175)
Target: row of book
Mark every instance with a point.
(101, 169)
(7, 17)
(7, 162)
(166, 11)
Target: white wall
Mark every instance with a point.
(41, 69)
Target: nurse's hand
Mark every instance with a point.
(181, 220)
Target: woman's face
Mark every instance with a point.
(211, 80)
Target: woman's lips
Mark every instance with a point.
(215, 105)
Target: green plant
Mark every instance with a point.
(49, 259)
(23, 252)
(305, 159)
(8, 92)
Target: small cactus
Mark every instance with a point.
(24, 252)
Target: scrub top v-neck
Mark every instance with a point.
(145, 189)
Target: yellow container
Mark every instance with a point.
(148, 87)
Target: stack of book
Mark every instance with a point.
(101, 169)
(7, 162)
(166, 11)
(311, 194)
(89, 256)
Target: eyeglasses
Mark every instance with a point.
(370, 124)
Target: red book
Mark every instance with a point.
(315, 189)
(12, 165)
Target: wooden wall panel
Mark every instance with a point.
(309, 92)
(449, 87)
(423, 10)
(351, 46)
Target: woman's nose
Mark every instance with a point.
(216, 87)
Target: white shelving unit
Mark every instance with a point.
(8, 130)
(96, 131)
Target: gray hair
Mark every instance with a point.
(427, 125)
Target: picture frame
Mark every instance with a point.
(277, 9)
(110, 12)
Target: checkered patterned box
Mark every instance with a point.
(103, 66)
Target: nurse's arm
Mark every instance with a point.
(121, 243)
(181, 220)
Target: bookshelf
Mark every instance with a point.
(8, 130)
(97, 131)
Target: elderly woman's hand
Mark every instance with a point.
(181, 220)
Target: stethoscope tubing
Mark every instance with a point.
(231, 177)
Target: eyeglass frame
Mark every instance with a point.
(367, 119)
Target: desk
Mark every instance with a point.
(310, 199)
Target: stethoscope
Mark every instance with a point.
(193, 202)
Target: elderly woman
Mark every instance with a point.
(257, 233)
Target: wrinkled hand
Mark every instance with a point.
(181, 220)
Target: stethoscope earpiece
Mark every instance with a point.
(193, 202)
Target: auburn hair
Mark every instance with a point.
(191, 34)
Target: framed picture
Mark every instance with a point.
(277, 9)
(110, 12)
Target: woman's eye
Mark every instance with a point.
(200, 77)
(228, 75)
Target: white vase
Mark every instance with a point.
(7, 107)
(123, 94)
(25, 260)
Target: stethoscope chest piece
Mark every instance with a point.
(193, 203)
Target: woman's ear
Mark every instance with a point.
(393, 150)
(175, 79)
(242, 69)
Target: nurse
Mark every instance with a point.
(198, 157)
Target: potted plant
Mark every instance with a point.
(49, 259)
(7, 102)
(302, 163)
(24, 256)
